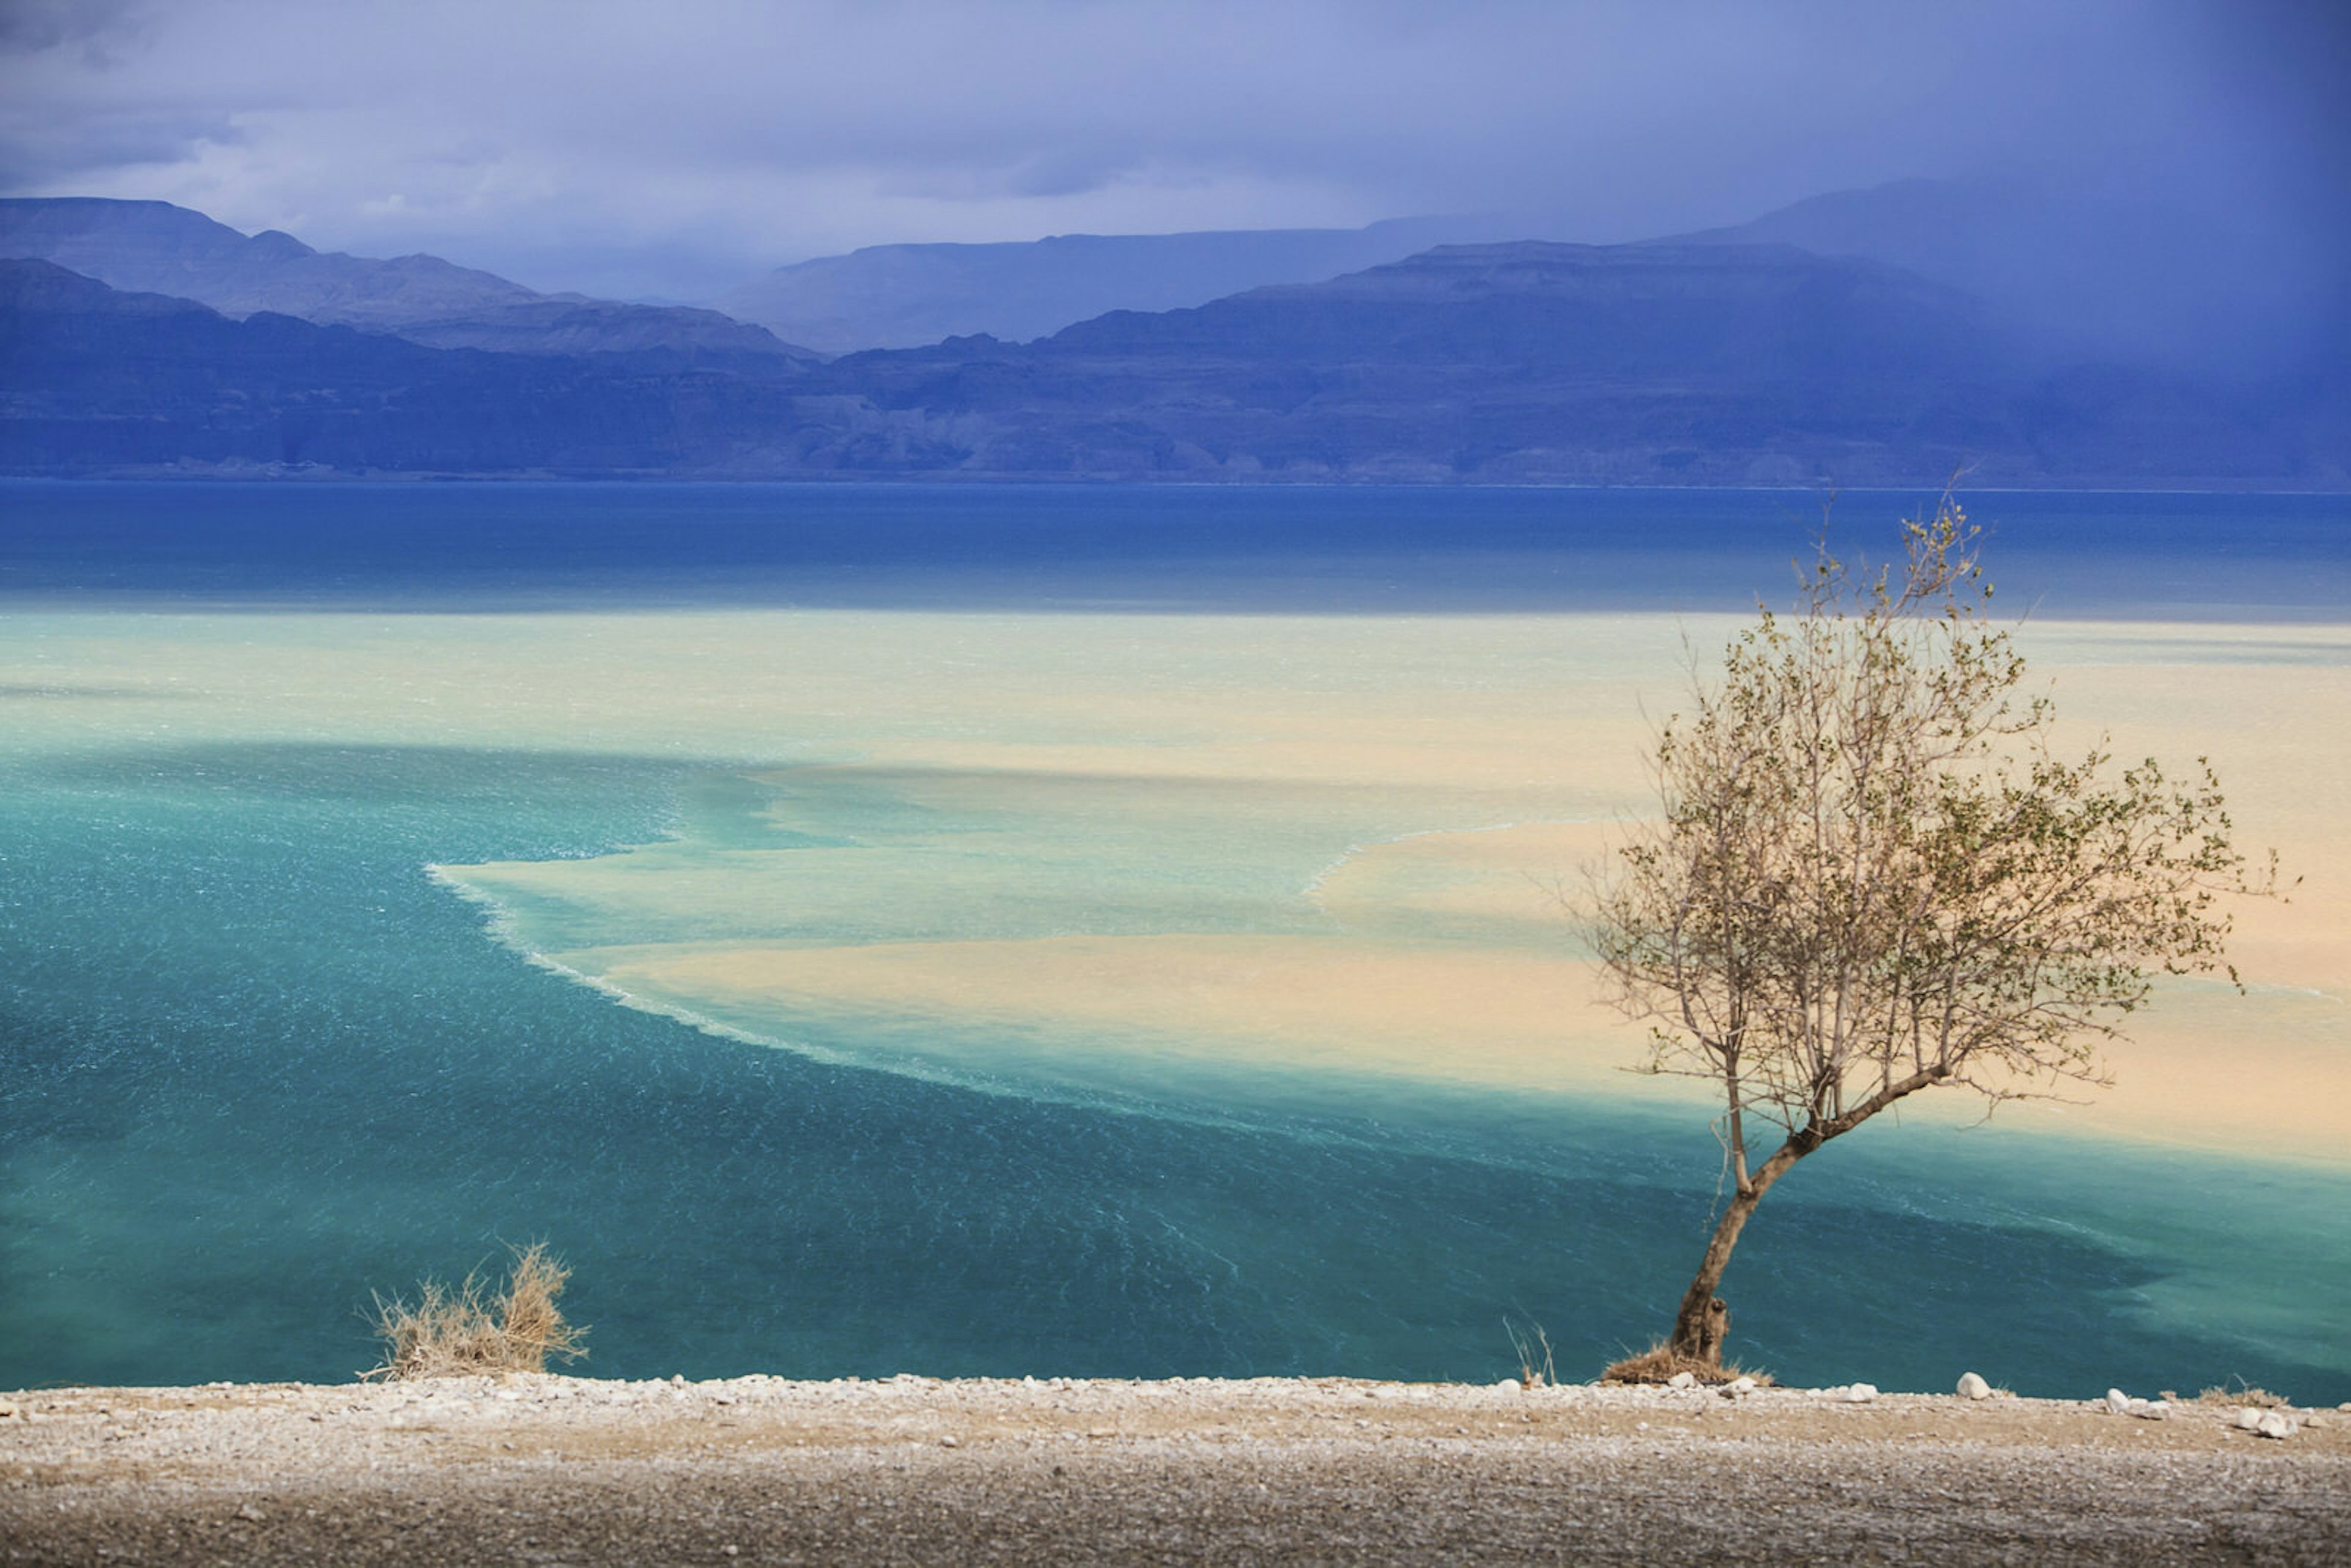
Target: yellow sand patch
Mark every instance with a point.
(1254, 879)
(1512, 1021)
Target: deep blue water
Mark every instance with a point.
(224, 1132)
(555, 546)
(255, 1065)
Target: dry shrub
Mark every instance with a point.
(469, 1330)
(2243, 1394)
(1658, 1362)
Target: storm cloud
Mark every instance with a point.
(631, 150)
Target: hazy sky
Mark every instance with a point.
(673, 148)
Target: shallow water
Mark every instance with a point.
(1102, 993)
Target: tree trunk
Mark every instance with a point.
(1705, 1317)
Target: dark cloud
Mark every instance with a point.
(33, 26)
(713, 137)
(41, 154)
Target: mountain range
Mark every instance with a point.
(153, 247)
(908, 296)
(1712, 359)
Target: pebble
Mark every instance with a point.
(1859, 1393)
(2249, 1419)
(2275, 1424)
(1972, 1386)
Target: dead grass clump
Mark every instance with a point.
(1658, 1363)
(2242, 1395)
(470, 1330)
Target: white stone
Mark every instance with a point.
(1860, 1393)
(2249, 1419)
(2276, 1424)
(1740, 1386)
(1973, 1388)
(1682, 1380)
(1512, 1384)
(2151, 1409)
(2118, 1401)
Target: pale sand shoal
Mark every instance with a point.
(1525, 719)
(1450, 958)
(913, 1471)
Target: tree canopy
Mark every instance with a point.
(1870, 874)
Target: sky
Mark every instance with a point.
(672, 151)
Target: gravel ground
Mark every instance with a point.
(913, 1470)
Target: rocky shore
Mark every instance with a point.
(915, 1470)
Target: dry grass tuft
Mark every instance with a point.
(1658, 1362)
(460, 1333)
(2243, 1394)
(1533, 1348)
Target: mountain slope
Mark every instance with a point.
(1516, 363)
(908, 296)
(98, 380)
(2092, 271)
(155, 247)
(1492, 362)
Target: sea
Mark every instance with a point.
(1058, 930)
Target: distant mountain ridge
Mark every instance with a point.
(1525, 362)
(157, 248)
(910, 295)
(1519, 362)
(94, 379)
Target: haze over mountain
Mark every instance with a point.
(98, 380)
(1713, 363)
(672, 153)
(155, 247)
(2112, 268)
(2088, 268)
(906, 295)
(1623, 364)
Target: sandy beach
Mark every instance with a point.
(559, 1469)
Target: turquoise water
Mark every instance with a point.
(259, 1063)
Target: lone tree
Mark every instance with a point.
(1870, 876)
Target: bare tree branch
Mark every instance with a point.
(1871, 876)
